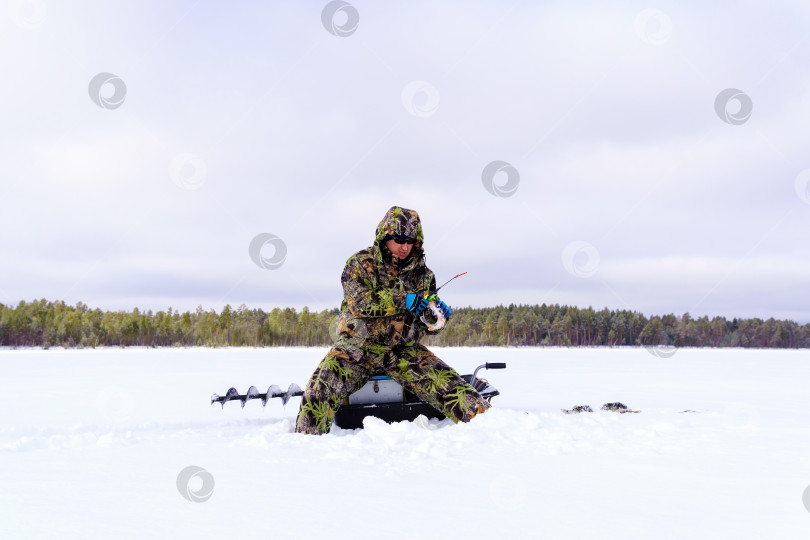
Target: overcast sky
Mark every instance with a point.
(652, 157)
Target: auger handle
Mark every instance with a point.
(488, 365)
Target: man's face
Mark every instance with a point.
(400, 250)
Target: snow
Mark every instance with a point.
(92, 443)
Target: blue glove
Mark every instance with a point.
(444, 308)
(415, 303)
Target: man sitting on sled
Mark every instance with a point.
(386, 289)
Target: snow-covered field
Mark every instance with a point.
(92, 443)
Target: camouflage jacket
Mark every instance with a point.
(375, 283)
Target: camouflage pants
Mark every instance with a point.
(347, 367)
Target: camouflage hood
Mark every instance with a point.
(376, 284)
(400, 221)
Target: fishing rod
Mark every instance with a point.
(440, 313)
(428, 297)
(449, 280)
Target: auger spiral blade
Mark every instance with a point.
(252, 393)
(293, 390)
(230, 395)
(272, 391)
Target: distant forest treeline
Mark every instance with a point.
(46, 324)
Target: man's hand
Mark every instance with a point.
(415, 303)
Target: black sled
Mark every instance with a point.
(381, 397)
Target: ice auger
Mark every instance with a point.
(253, 393)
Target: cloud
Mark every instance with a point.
(304, 135)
